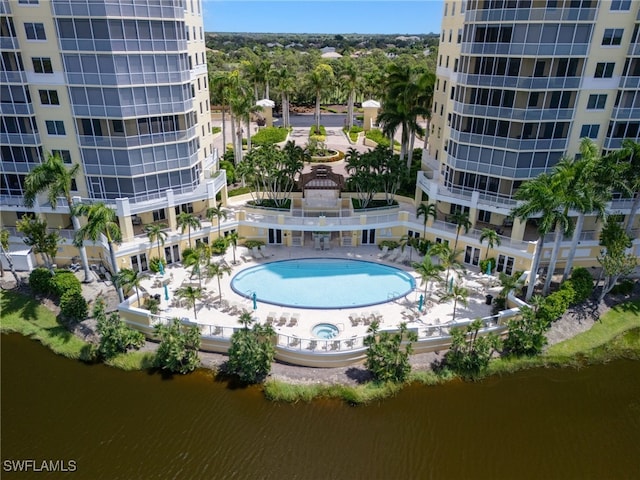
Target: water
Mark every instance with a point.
(551, 424)
(325, 331)
(328, 283)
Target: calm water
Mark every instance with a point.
(540, 424)
(323, 283)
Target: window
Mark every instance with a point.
(35, 2)
(64, 154)
(35, 31)
(604, 70)
(55, 127)
(589, 131)
(159, 215)
(620, 5)
(49, 97)
(42, 65)
(612, 36)
(505, 264)
(596, 102)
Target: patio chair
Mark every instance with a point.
(313, 344)
(271, 318)
(294, 319)
(254, 253)
(335, 345)
(402, 257)
(394, 254)
(384, 252)
(284, 318)
(261, 252)
(295, 341)
(355, 319)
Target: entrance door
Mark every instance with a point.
(172, 254)
(139, 263)
(368, 237)
(472, 256)
(275, 236)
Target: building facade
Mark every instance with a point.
(519, 84)
(120, 88)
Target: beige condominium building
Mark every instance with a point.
(120, 88)
(519, 84)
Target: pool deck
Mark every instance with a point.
(294, 325)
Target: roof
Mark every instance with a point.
(371, 103)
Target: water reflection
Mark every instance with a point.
(536, 424)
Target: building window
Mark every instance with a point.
(64, 154)
(596, 102)
(484, 216)
(505, 264)
(49, 97)
(55, 127)
(612, 36)
(36, 2)
(604, 70)
(35, 31)
(42, 65)
(589, 131)
(620, 5)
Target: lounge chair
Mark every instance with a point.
(384, 252)
(294, 319)
(295, 341)
(271, 318)
(317, 243)
(284, 318)
(402, 257)
(335, 345)
(254, 253)
(394, 254)
(261, 252)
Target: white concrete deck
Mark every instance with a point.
(217, 321)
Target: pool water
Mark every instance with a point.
(327, 283)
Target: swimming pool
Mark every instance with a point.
(327, 283)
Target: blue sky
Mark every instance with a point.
(323, 16)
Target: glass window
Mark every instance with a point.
(612, 36)
(604, 70)
(49, 97)
(42, 65)
(64, 154)
(55, 127)
(35, 31)
(621, 5)
(596, 102)
(589, 131)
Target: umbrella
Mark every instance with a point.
(161, 267)
(255, 303)
(488, 272)
(420, 302)
(451, 284)
(166, 292)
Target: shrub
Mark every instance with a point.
(215, 130)
(64, 282)
(483, 264)
(73, 306)
(270, 135)
(230, 169)
(239, 191)
(625, 287)
(151, 304)
(219, 246)
(554, 306)
(387, 360)
(253, 243)
(391, 244)
(313, 131)
(469, 354)
(40, 281)
(115, 336)
(526, 336)
(582, 283)
(251, 352)
(178, 349)
(154, 264)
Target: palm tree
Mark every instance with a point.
(101, 220)
(4, 247)
(192, 257)
(233, 238)
(128, 278)
(428, 271)
(629, 157)
(186, 221)
(56, 179)
(508, 283)
(539, 196)
(286, 83)
(457, 294)
(448, 258)
(462, 222)
(190, 295)
(319, 80)
(492, 238)
(219, 83)
(350, 78)
(218, 270)
(427, 210)
(217, 212)
(155, 232)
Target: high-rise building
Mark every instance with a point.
(118, 87)
(519, 84)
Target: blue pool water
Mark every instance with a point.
(328, 283)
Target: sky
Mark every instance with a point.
(323, 16)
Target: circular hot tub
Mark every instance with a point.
(325, 331)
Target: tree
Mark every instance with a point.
(36, 237)
(190, 295)
(127, 278)
(492, 238)
(470, 353)
(509, 283)
(4, 247)
(101, 220)
(629, 159)
(233, 238)
(252, 350)
(219, 84)
(115, 336)
(388, 353)
(218, 213)
(462, 222)
(614, 259)
(56, 179)
(349, 78)
(428, 271)
(538, 196)
(459, 295)
(286, 84)
(448, 258)
(427, 210)
(218, 270)
(186, 221)
(318, 81)
(155, 232)
(178, 349)
(193, 257)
